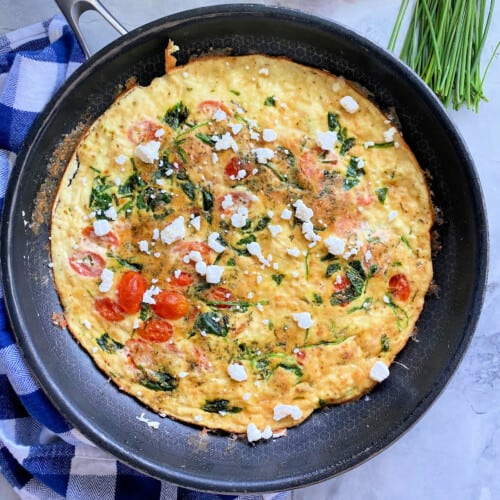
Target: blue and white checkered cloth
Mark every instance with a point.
(41, 455)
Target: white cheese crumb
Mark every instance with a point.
(196, 222)
(335, 246)
(227, 202)
(250, 295)
(219, 115)
(264, 71)
(111, 213)
(294, 252)
(101, 227)
(260, 307)
(148, 152)
(392, 215)
(276, 266)
(269, 135)
(159, 133)
(309, 234)
(303, 320)
(255, 136)
(197, 418)
(136, 324)
(120, 159)
(253, 434)
(86, 324)
(286, 214)
(259, 281)
(295, 274)
(267, 433)
(379, 371)
(368, 256)
(94, 349)
(236, 128)
(282, 411)
(326, 140)
(349, 104)
(117, 181)
(214, 273)
(174, 231)
(386, 299)
(182, 374)
(241, 174)
(214, 244)
(225, 142)
(144, 246)
(157, 254)
(148, 296)
(255, 250)
(263, 155)
(246, 396)
(275, 230)
(237, 372)
(239, 219)
(389, 134)
(302, 212)
(106, 280)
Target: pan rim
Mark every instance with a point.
(37, 131)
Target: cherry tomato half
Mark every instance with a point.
(184, 279)
(130, 290)
(210, 107)
(108, 309)
(399, 287)
(156, 330)
(184, 247)
(170, 304)
(108, 240)
(234, 165)
(88, 264)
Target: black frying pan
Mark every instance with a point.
(333, 439)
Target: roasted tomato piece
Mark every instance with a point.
(220, 294)
(210, 107)
(238, 199)
(108, 240)
(170, 304)
(130, 290)
(86, 263)
(341, 283)
(183, 279)
(184, 247)
(156, 330)
(108, 309)
(234, 166)
(143, 131)
(399, 287)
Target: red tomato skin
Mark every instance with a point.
(184, 247)
(184, 279)
(220, 294)
(108, 240)
(142, 131)
(156, 330)
(399, 287)
(130, 291)
(86, 263)
(108, 309)
(342, 284)
(211, 106)
(170, 304)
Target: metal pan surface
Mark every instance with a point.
(333, 439)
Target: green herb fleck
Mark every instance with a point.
(270, 101)
(353, 174)
(213, 323)
(317, 298)
(332, 269)
(135, 266)
(231, 262)
(158, 381)
(107, 344)
(385, 343)
(381, 194)
(277, 278)
(219, 406)
(176, 115)
(205, 138)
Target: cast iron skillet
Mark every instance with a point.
(333, 439)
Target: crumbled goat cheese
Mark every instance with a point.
(308, 232)
(335, 246)
(302, 212)
(239, 219)
(174, 231)
(225, 142)
(269, 135)
(148, 152)
(241, 174)
(106, 280)
(111, 213)
(389, 134)
(294, 252)
(326, 140)
(196, 222)
(120, 159)
(246, 396)
(214, 274)
(264, 71)
(159, 133)
(101, 227)
(286, 214)
(392, 215)
(255, 250)
(214, 244)
(275, 230)
(267, 433)
(144, 246)
(86, 324)
(219, 115)
(282, 411)
(263, 155)
(227, 202)
(236, 128)
(368, 256)
(148, 296)
(349, 104)
(201, 268)
(156, 234)
(253, 434)
(255, 136)
(182, 374)
(303, 320)
(215, 158)
(237, 372)
(379, 371)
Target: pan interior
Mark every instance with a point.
(333, 439)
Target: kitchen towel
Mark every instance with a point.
(41, 454)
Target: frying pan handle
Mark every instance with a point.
(73, 9)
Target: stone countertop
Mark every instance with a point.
(453, 451)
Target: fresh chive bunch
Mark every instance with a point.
(443, 45)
